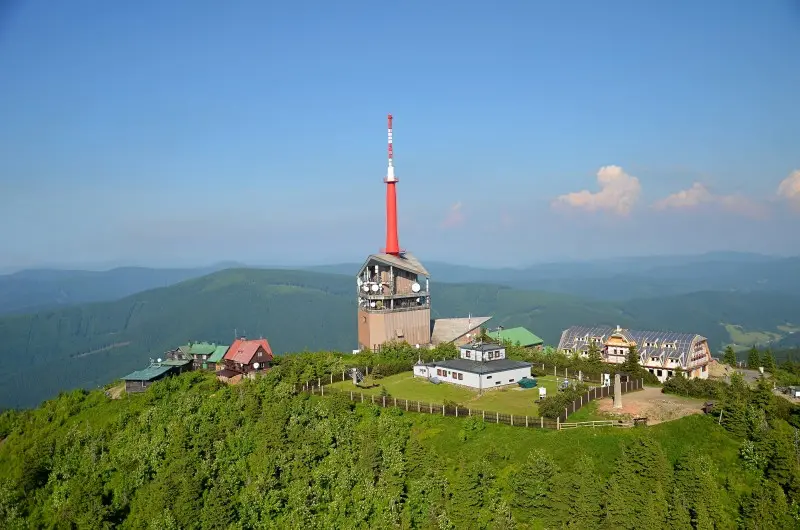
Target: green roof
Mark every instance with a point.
(148, 374)
(175, 362)
(218, 354)
(517, 335)
(200, 348)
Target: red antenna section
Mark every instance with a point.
(392, 243)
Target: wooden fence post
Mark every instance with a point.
(331, 377)
(456, 411)
(395, 402)
(497, 419)
(526, 420)
(483, 415)
(351, 395)
(418, 407)
(406, 405)
(469, 412)
(558, 423)
(431, 406)
(541, 421)
(362, 397)
(322, 390)
(512, 420)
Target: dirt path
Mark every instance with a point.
(652, 404)
(116, 392)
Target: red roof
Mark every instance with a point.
(242, 351)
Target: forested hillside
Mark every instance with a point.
(33, 290)
(90, 345)
(191, 453)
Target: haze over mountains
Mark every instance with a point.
(728, 298)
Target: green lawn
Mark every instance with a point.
(741, 337)
(509, 400)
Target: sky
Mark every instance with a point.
(191, 132)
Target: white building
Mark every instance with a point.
(662, 353)
(479, 366)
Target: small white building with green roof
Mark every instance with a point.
(518, 336)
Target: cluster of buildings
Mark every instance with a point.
(393, 292)
(231, 363)
(393, 289)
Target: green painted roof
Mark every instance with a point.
(200, 348)
(148, 374)
(218, 354)
(175, 362)
(517, 335)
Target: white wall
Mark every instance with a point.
(475, 355)
(473, 380)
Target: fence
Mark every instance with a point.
(458, 411)
(318, 387)
(598, 392)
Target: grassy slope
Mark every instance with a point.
(89, 345)
(509, 400)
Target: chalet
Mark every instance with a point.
(199, 353)
(518, 336)
(480, 365)
(214, 360)
(662, 353)
(246, 358)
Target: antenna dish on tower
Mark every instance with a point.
(415, 287)
(375, 287)
(365, 287)
(158, 360)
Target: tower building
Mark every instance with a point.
(394, 301)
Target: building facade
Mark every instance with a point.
(393, 301)
(662, 353)
(479, 366)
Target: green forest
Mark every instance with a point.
(92, 344)
(193, 453)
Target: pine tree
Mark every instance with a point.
(753, 359)
(595, 359)
(730, 356)
(581, 493)
(534, 481)
(768, 361)
(631, 364)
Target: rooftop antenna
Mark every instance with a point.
(392, 244)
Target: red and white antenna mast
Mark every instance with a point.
(392, 244)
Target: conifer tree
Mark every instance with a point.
(730, 356)
(533, 482)
(753, 359)
(768, 361)
(595, 359)
(631, 364)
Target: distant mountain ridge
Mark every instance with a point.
(92, 344)
(36, 289)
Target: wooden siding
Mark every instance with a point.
(376, 328)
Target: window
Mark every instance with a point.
(659, 373)
(488, 377)
(468, 354)
(669, 373)
(460, 377)
(510, 380)
(259, 354)
(438, 371)
(454, 375)
(704, 368)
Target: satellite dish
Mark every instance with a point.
(359, 281)
(365, 287)
(158, 360)
(256, 365)
(415, 287)
(372, 304)
(376, 287)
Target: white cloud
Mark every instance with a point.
(789, 189)
(455, 217)
(618, 193)
(699, 195)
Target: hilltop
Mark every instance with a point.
(91, 344)
(193, 453)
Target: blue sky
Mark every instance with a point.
(189, 132)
